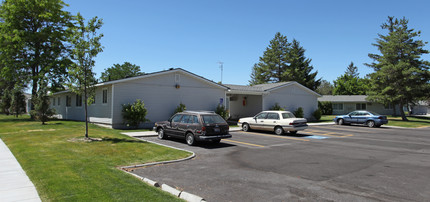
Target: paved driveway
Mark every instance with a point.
(323, 163)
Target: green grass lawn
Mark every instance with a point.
(64, 168)
(414, 122)
(324, 119)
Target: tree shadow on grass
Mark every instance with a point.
(121, 140)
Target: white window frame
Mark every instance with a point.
(361, 106)
(77, 100)
(103, 96)
(59, 100)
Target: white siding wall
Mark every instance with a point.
(97, 112)
(161, 97)
(290, 98)
(374, 107)
(252, 107)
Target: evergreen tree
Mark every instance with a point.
(18, 101)
(300, 67)
(400, 76)
(284, 61)
(42, 111)
(273, 63)
(352, 70)
(123, 71)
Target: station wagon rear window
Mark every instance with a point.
(209, 119)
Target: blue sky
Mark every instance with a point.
(196, 35)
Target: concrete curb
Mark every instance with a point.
(181, 194)
(170, 189)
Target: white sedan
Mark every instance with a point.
(277, 121)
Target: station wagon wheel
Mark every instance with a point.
(161, 134)
(371, 124)
(341, 122)
(190, 139)
(279, 131)
(245, 127)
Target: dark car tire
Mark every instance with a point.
(341, 122)
(245, 127)
(293, 132)
(279, 131)
(371, 124)
(161, 134)
(189, 138)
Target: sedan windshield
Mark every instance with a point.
(288, 115)
(210, 119)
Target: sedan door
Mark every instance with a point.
(183, 125)
(258, 123)
(271, 121)
(351, 118)
(362, 117)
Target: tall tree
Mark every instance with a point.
(284, 61)
(400, 76)
(86, 42)
(325, 88)
(352, 70)
(350, 83)
(123, 71)
(273, 63)
(300, 67)
(33, 39)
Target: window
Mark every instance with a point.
(212, 119)
(196, 120)
(360, 106)
(288, 115)
(59, 101)
(272, 116)
(68, 101)
(176, 118)
(261, 116)
(104, 96)
(186, 119)
(337, 106)
(388, 106)
(53, 101)
(79, 100)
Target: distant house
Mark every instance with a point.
(163, 91)
(343, 104)
(249, 100)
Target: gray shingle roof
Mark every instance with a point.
(343, 98)
(255, 88)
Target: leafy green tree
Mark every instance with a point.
(350, 83)
(123, 71)
(326, 107)
(86, 42)
(284, 61)
(34, 40)
(134, 114)
(325, 88)
(401, 76)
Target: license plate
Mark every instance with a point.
(216, 130)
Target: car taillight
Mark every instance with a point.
(292, 123)
(203, 128)
(380, 117)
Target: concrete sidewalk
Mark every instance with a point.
(14, 182)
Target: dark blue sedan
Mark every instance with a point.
(370, 119)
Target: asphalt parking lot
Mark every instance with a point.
(322, 163)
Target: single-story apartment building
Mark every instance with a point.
(343, 104)
(163, 91)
